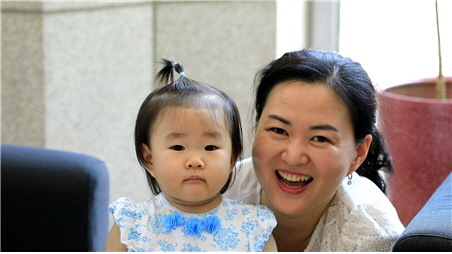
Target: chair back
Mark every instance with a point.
(53, 200)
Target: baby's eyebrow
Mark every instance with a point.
(214, 134)
(174, 135)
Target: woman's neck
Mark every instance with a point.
(293, 232)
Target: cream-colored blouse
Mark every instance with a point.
(359, 218)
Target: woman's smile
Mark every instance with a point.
(293, 181)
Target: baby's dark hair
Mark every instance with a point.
(185, 93)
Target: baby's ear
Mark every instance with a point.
(233, 162)
(147, 155)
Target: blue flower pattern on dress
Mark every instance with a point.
(260, 243)
(226, 239)
(155, 225)
(230, 214)
(189, 248)
(249, 227)
(166, 247)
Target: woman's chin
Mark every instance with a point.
(282, 202)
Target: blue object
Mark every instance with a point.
(53, 200)
(431, 229)
(192, 226)
(172, 221)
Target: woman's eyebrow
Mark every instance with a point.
(283, 120)
(324, 127)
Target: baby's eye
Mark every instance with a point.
(279, 131)
(211, 148)
(178, 148)
(320, 139)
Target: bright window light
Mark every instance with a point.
(395, 41)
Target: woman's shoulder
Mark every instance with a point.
(362, 193)
(366, 201)
(245, 187)
(360, 218)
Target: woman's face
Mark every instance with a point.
(304, 147)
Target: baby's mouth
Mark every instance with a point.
(293, 181)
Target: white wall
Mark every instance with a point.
(74, 73)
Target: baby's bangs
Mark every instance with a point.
(218, 108)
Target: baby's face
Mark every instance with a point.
(190, 155)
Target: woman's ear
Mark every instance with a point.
(147, 155)
(361, 153)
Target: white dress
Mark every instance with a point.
(156, 225)
(359, 218)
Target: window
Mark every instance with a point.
(395, 41)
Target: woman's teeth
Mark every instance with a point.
(293, 178)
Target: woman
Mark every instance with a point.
(317, 154)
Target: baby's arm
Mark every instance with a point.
(113, 241)
(270, 245)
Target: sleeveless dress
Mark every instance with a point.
(156, 225)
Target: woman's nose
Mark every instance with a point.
(295, 154)
(194, 162)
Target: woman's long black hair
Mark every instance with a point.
(350, 82)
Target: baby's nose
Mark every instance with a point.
(195, 163)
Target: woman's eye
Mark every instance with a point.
(279, 131)
(178, 148)
(211, 148)
(320, 139)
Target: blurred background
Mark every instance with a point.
(74, 73)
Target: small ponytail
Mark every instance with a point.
(165, 75)
(185, 93)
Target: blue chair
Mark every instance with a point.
(431, 229)
(53, 200)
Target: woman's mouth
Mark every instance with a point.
(293, 181)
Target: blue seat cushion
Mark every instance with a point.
(431, 228)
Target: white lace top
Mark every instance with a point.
(156, 225)
(359, 218)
